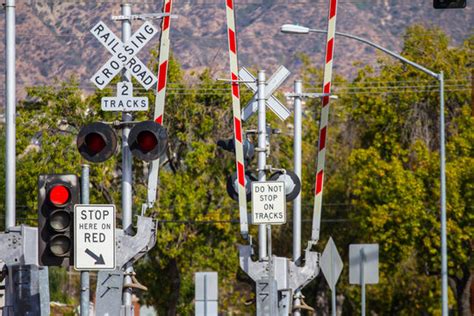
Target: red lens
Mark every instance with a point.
(59, 195)
(147, 141)
(95, 143)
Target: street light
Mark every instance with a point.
(298, 29)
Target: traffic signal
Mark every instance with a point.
(97, 142)
(148, 140)
(233, 185)
(449, 4)
(292, 183)
(57, 195)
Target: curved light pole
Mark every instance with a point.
(298, 29)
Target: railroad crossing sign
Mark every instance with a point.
(123, 55)
(331, 264)
(275, 81)
(94, 237)
(124, 101)
(268, 202)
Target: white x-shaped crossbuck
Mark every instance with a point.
(123, 55)
(275, 81)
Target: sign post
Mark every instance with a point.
(94, 237)
(331, 266)
(363, 267)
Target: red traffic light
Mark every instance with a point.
(97, 142)
(148, 140)
(59, 195)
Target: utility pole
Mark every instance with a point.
(127, 168)
(10, 115)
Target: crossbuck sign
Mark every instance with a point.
(275, 81)
(123, 55)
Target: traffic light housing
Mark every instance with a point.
(97, 142)
(57, 195)
(449, 4)
(148, 140)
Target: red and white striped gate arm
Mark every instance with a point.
(160, 95)
(239, 151)
(323, 124)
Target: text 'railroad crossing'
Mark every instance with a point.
(123, 55)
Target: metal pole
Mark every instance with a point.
(298, 87)
(262, 155)
(297, 168)
(444, 247)
(10, 114)
(127, 167)
(85, 286)
(362, 281)
(333, 301)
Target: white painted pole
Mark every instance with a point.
(127, 168)
(262, 155)
(85, 279)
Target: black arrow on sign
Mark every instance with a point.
(98, 260)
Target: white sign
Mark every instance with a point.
(94, 237)
(123, 55)
(124, 101)
(268, 202)
(331, 264)
(364, 264)
(275, 81)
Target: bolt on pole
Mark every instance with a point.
(126, 167)
(85, 280)
(10, 114)
(262, 155)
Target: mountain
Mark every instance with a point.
(54, 42)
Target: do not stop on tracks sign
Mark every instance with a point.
(94, 237)
(268, 202)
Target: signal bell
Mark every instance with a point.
(97, 142)
(148, 140)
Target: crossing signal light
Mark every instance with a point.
(292, 183)
(57, 195)
(233, 185)
(97, 142)
(229, 145)
(449, 4)
(148, 140)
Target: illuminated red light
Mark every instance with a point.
(59, 195)
(147, 141)
(95, 143)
